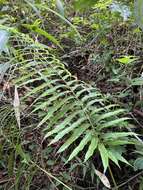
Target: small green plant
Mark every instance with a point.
(127, 59)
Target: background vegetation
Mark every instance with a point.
(71, 95)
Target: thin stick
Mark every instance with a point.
(124, 183)
(51, 176)
(113, 179)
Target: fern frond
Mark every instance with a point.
(72, 110)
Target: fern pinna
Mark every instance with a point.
(72, 111)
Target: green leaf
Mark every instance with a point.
(113, 158)
(91, 104)
(52, 110)
(82, 91)
(104, 156)
(67, 130)
(116, 135)
(127, 59)
(113, 123)
(35, 27)
(91, 148)
(61, 113)
(120, 142)
(96, 110)
(109, 114)
(36, 90)
(90, 96)
(76, 134)
(62, 125)
(24, 78)
(80, 147)
(42, 105)
(119, 156)
(138, 164)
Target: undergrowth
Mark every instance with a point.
(59, 130)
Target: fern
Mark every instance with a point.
(71, 110)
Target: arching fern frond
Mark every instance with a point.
(72, 111)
